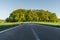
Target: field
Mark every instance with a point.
(4, 26)
(50, 24)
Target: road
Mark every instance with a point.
(30, 31)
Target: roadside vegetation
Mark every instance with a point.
(4, 26)
(50, 24)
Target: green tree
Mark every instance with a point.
(22, 15)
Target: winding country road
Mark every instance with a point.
(30, 31)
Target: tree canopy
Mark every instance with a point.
(22, 15)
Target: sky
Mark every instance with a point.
(7, 6)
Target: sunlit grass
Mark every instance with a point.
(57, 24)
(51, 23)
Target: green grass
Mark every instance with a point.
(50, 24)
(4, 26)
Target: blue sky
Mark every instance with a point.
(7, 6)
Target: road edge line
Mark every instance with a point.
(9, 29)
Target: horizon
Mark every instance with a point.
(7, 6)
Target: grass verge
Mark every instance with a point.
(58, 26)
(4, 26)
(50, 24)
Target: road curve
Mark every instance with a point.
(30, 31)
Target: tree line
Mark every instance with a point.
(22, 15)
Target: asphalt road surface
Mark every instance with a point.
(30, 31)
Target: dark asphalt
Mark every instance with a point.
(29, 31)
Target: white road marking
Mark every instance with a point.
(36, 36)
(8, 29)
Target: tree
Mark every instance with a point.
(7, 20)
(28, 16)
(22, 15)
(17, 15)
(34, 16)
(53, 17)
